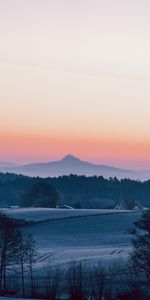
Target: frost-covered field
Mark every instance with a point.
(42, 214)
(64, 235)
(90, 235)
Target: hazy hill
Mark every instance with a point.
(7, 165)
(72, 165)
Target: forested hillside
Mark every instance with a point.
(78, 191)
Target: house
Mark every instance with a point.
(128, 205)
(14, 206)
(65, 207)
(119, 206)
(138, 206)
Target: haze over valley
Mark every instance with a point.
(73, 165)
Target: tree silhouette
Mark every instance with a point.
(9, 246)
(141, 244)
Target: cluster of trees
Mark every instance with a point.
(41, 194)
(97, 191)
(26, 191)
(17, 253)
(78, 191)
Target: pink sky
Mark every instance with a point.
(41, 148)
(75, 77)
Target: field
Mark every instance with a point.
(46, 214)
(64, 235)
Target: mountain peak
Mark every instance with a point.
(70, 158)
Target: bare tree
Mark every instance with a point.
(141, 245)
(31, 259)
(23, 257)
(77, 281)
(9, 246)
(101, 282)
(97, 282)
(129, 288)
(16, 249)
(53, 280)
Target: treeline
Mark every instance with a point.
(78, 191)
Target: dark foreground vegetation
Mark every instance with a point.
(77, 191)
(17, 253)
(120, 280)
(80, 281)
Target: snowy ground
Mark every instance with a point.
(43, 214)
(65, 235)
(96, 236)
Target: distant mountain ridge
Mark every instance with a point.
(4, 164)
(72, 165)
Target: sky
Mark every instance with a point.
(75, 78)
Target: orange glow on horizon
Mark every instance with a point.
(31, 148)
